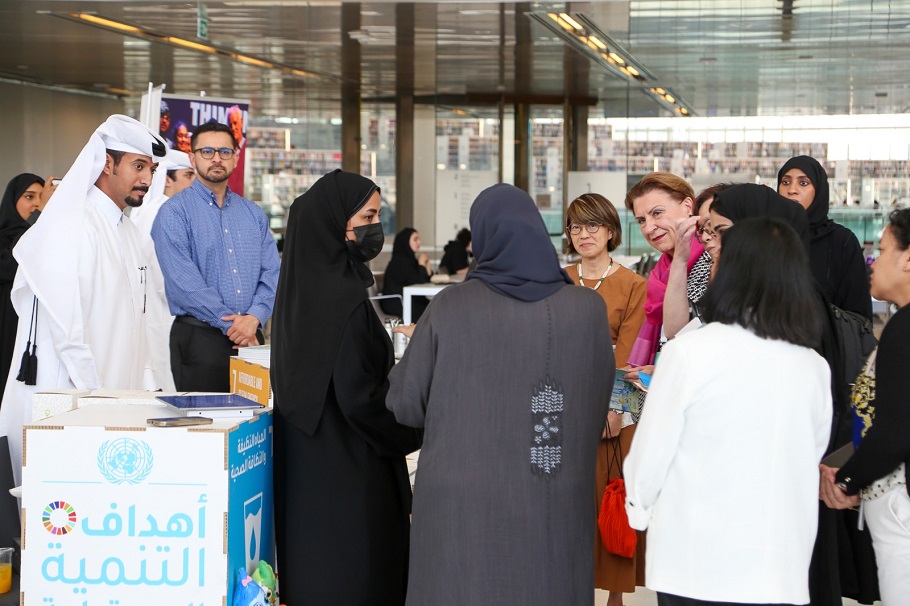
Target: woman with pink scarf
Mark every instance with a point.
(663, 207)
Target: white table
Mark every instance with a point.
(417, 290)
(627, 260)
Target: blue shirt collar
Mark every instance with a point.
(207, 193)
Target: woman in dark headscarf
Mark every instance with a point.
(21, 198)
(833, 555)
(835, 253)
(506, 373)
(341, 483)
(455, 258)
(404, 269)
(748, 201)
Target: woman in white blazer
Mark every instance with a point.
(723, 472)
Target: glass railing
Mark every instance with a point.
(866, 223)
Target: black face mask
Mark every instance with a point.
(33, 217)
(368, 243)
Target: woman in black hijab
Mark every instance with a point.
(20, 200)
(341, 484)
(840, 556)
(835, 254)
(747, 201)
(404, 269)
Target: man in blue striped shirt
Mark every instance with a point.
(220, 266)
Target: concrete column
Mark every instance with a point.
(577, 74)
(424, 173)
(522, 157)
(404, 115)
(579, 157)
(350, 89)
(523, 81)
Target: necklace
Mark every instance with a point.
(599, 282)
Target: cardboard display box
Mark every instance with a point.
(117, 512)
(47, 404)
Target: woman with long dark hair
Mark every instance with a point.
(342, 495)
(724, 463)
(842, 562)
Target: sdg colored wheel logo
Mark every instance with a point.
(59, 518)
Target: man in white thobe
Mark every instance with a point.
(81, 285)
(175, 173)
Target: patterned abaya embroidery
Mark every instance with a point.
(546, 440)
(864, 394)
(864, 406)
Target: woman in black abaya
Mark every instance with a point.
(835, 254)
(404, 269)
(20, 200)
(342, 495)
(838, 265)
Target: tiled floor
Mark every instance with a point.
(646, 597)
(642, 597)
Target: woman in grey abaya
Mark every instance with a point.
(505, 374)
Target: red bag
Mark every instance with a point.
(617, 536)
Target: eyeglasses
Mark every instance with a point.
(207, 153)
(591, 227)
(715, 234)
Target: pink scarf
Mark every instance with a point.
(648, 339)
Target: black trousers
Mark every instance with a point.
(9, 508)
(201, 356)
(668, 599)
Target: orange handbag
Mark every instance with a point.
(617, 536)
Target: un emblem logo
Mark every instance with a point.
(125, 461)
